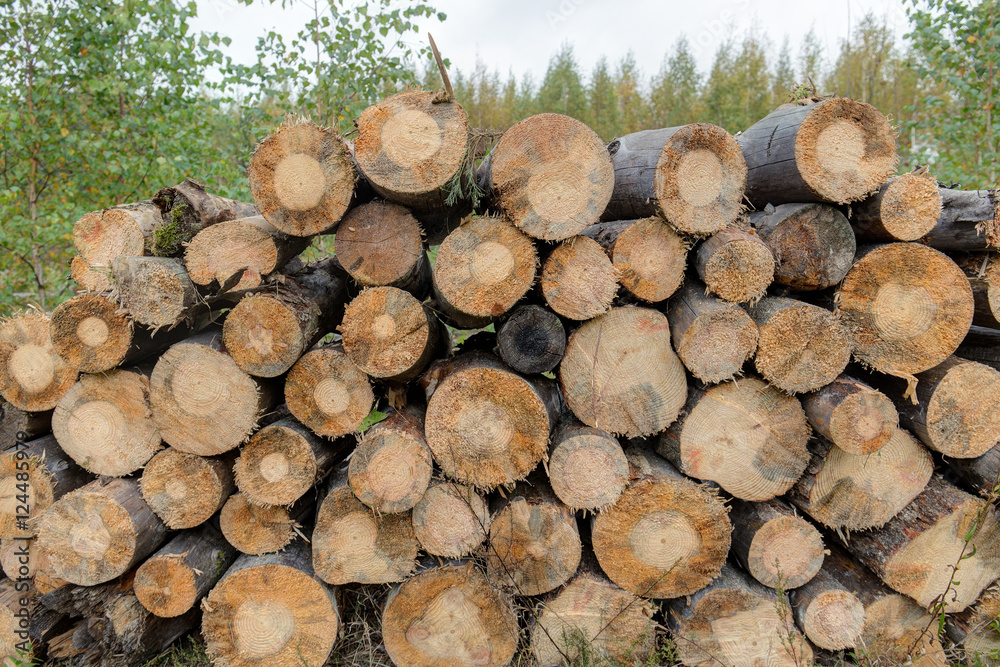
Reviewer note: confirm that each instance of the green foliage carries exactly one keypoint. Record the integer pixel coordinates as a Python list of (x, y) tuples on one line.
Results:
[(603, 112), (562, 89), (374, 417), (675, 98)]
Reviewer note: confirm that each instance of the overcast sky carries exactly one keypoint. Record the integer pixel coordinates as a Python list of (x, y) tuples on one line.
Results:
[(521, 35)]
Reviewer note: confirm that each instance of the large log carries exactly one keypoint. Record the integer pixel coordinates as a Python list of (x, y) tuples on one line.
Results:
[(647, 253), (906, 307), (746, 436), (550, 175), (16, 424), (123, 230), (325, 391), (485, 424), (587, 468), (302, 178), (98, 532), (185, 490), (271, 610), (713, 338), (621, 375), (391, 466), (666, 536), (91, 332), (450, 520), (969, 221), (776, 546), (859, 491), (188, 209), (33, 377), (391, 335), (449, 615), (531, 339), (578, 279), (813, 244), (855, 417), (482, 269), (905, 208), (837, 151), (735, 264), (801, 347), (261, 529), (352, 544)]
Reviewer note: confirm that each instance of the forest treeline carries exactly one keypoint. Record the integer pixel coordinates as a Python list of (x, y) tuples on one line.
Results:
[(102, 102)]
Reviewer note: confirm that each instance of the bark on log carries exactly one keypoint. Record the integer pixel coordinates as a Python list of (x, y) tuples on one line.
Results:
[(391, 466), (587, 468), (578, 279), (981, 345), (735, 265), (156, 291), (692, 175), (905, 208), (746, 436), (271, 610), (482, 269), (985, 283), (15, 647), (188, 209), (969, 221), (666, 536), (801, 347), (352, 544), (531, 339), (906, 308), (33, 377), (860, 491), (451, 615), (302, 178), (124, 230), (621, 375), (775, 545), (975, 629), (713, 338), (450, 520), (325, 391), (827, 612), (837, 151), (97, 533), (486, 425), (91, 332), (16, 423), (181, 573), (391, 335), (550, 175), (855, 417), (261, 529), (813, 244), (132, 636), (647, 253), (185, 490)]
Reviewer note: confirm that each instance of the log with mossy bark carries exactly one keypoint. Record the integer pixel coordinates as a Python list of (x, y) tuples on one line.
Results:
[(531, 339), (647, 253), (969, 222), (776, 546), (735, 265), (327, 392), (187, 209), (578, 280), (904, 208), (587, 468), (855, 417), (185, 490), (33, 377)]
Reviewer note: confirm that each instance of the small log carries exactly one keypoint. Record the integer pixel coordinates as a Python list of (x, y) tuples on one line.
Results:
[(666, 536), (188, 209), (855, 417), (735, 265), (482, 269), (905, 208), (578, 279), (836, 151), (587, 468), (828, 613), (969, 222), (271, 610), (202, 402), (91, 332), (485, 424), (302, 178), (776, 546), (352, 544), (534, 542), (985, 283), (906, 308), (104, 423), (382, 244), (746, 436), (531, 339), (391, 466), (261, 529), (391, 335), (16, 424), (647, 253), (860, 491), (692, 175), (250, 245), (325, 391), (182, 572), (88, 277), (451, 615), (33, 377), (412, 149), (97, 533), (801, 347), (185, 490), (813, 244), (266, 333), (156, 291), (621, 375), (283, 461), (915, 552), (736, 621), (550, 175), (124, 230), (450, 520)]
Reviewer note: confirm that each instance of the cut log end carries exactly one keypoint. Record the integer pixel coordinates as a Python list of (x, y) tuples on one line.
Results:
[(531, 340), (156, 291), (33, 377), (388, 333), (91, 332), (101, 236), (328, 393), (963, 414), (650, 259), (579, 281), (278, 466), (904, 209), (380, 244), (735, 265), (834, 620), (813, 244), (391, 466), (852, 415), (91, 277), (450, 520), (587, 468), (185, 490), (252, 245), (165, 586), (787, 551), (255, 529)]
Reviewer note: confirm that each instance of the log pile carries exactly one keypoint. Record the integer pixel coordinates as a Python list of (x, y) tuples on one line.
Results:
[(609, 383)]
